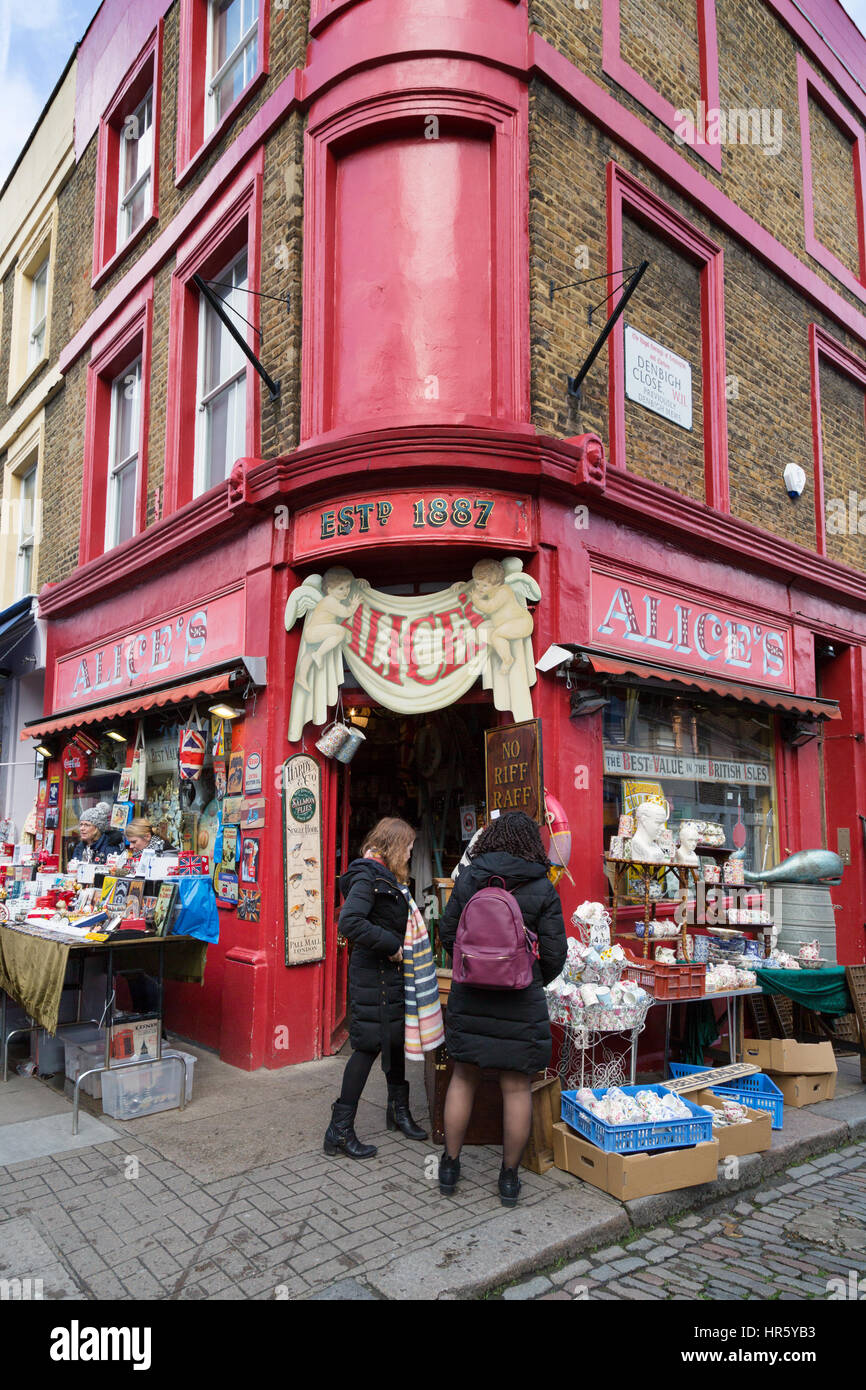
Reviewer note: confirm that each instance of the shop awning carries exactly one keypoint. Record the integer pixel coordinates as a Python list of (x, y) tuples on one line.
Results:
[(15, 622), (134, 704), (610, 664)]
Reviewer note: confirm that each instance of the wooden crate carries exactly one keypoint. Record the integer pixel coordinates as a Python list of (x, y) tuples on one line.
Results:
[(545, 1114)]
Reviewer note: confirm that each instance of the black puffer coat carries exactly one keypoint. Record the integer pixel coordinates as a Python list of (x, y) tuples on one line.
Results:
[(374, 917), (506, 1028)]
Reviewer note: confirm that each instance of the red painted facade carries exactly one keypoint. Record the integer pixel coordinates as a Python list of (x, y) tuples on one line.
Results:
[(416, 378)]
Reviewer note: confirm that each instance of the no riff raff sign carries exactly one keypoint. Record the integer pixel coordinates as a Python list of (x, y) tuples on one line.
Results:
[(680, 629)]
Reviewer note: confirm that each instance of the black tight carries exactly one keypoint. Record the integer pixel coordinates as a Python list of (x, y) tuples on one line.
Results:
[(358, 1069), (516, 1111)]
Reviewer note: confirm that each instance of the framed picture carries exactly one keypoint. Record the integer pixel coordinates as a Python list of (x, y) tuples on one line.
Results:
[(121, 892), (135, 898), (230, 848), (148, 908), (106, 896), (253, 813), (235, 784), (250, 905), (249, 859), (124, 787), (165, 901), (121, 815), (51, 818)]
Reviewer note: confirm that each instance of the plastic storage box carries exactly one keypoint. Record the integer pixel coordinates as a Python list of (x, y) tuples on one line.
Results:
[(758, 1092), (135, 1090), (666, 982), (637, 1138)]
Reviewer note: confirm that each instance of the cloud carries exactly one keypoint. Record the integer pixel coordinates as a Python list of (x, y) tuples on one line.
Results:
[(23, 103)]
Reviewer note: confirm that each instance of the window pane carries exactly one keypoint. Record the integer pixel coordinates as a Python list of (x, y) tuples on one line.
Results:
[(218, 422), (124, 502), (227, 31), (126, 398), (37, 299), (25, 570), (137, 208), (223, 357)]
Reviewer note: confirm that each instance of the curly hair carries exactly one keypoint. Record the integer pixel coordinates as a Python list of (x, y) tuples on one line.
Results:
[(389, 840), (513, 833)]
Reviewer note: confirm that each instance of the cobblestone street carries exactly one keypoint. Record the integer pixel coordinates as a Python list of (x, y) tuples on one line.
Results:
[(791, 1241)]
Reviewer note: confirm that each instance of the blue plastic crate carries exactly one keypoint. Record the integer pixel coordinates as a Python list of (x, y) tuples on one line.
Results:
[(637, 1138), (758, 1091)]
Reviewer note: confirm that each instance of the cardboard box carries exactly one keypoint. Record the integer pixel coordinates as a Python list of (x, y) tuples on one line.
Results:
[(805, 1090), (627, 1176), (785, 1055), (752, 1138)]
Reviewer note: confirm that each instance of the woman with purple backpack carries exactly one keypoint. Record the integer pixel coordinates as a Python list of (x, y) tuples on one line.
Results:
[(506, 1029)]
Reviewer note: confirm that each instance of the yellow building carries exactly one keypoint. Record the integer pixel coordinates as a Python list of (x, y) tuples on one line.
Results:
[(29, 378)]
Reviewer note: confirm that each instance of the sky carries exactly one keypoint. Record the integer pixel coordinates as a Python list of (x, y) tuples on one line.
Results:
[(36, 39)]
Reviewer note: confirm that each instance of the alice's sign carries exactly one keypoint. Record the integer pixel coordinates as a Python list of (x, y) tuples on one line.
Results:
[(405, 516), (512, 766), (681, 630), (302, 860), (418, 653), (181, 643)]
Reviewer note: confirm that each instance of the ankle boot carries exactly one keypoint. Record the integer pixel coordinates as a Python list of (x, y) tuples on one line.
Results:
[(509, 1186), (340, 1136), (398, 1115), (449, 1172)]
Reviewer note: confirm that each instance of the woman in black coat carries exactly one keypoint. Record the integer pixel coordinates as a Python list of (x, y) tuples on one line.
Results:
[(504, 1029), (374, 918)]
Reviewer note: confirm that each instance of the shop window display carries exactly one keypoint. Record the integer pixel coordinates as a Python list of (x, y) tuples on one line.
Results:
[(712, 761)]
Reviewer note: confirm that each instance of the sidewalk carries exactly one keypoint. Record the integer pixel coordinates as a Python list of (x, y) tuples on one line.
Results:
[(234, 1199)]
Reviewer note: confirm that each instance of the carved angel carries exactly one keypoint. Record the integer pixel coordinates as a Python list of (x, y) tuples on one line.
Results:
[(327, 600)]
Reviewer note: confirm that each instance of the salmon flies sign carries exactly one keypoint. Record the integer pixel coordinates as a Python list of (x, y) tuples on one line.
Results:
[(680, 629)]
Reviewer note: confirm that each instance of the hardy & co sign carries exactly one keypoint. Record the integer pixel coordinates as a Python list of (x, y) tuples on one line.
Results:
[(174, 647), (679, 629), (401, 517), (657, 378), (302, 860), (512, 764)]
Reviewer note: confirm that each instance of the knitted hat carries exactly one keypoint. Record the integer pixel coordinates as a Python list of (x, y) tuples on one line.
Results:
[(98, 815)]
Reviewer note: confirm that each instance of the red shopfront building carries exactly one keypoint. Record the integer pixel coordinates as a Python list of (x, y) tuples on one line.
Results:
[(712, 645)]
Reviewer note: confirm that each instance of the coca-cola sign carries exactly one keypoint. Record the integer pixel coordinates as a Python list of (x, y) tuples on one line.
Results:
[(677, 628)]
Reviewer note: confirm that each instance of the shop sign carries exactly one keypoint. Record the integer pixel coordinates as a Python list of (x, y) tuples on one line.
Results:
[(657, 378), (624, 762), (76, 763), (175, 647), (408, 516), (414, 654), (302, 860), (512, 768), (680, 630)]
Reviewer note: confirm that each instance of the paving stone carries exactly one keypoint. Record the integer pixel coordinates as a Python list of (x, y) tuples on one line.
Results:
[(711, 1228), (569, 1271), (688, 1221), (766, 1196), (558, 1294), (346, 1290), (534, 1287), (626, 1266), (801, 1170), (603, 1272), (662, 1252)]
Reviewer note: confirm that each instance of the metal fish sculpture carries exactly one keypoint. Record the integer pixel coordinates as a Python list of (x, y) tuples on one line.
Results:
[(808, 866)]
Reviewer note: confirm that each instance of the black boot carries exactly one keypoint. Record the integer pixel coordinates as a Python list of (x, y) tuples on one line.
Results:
[(398, 1115), (340, 1136), (449, 1172), (509, 1186)]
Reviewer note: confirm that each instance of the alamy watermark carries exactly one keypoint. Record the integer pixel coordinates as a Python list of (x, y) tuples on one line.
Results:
[(739, 125)]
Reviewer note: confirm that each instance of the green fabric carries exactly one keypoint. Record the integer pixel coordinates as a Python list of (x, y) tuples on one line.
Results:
[(825, 991), (701, 1030), (33, 969)]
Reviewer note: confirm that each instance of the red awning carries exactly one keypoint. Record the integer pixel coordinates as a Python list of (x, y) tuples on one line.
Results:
[(614, 664), (135, 704)]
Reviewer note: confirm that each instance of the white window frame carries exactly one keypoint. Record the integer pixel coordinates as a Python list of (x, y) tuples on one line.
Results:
[(37, 329), (203, 398), (118, 466), (213, 79), (26, 531), (124, 200)]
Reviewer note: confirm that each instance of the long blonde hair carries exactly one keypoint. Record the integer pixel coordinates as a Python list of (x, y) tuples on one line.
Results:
[(389, 840)]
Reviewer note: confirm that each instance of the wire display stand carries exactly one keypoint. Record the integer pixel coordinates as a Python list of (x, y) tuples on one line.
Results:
[(590, 1057)]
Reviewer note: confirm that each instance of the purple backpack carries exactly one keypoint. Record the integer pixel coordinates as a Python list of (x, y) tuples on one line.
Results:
[(493, 949)]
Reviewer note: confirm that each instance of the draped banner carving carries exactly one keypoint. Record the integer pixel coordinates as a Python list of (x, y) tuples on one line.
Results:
[(417, 653)]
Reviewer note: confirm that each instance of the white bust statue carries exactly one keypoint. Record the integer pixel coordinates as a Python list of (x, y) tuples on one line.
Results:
[(689, 836), (650, 817)]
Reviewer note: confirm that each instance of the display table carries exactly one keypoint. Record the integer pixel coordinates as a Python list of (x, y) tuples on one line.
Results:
[(731, 998), (33, 970)]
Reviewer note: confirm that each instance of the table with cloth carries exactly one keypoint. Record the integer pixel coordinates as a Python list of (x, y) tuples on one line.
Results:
[(823, 991)]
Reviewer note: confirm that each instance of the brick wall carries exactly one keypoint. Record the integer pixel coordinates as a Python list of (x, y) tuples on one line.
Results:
[(659, 38), (766, 343), (843, 438), (835, 203)]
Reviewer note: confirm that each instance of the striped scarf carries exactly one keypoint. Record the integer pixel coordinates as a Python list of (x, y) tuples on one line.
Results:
[(423, 1013)]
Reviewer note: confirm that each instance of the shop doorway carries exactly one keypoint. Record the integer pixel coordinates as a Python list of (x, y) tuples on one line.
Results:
[(427, 769)]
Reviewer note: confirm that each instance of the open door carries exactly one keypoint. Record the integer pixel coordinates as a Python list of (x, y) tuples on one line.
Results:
[(335, 1024)]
